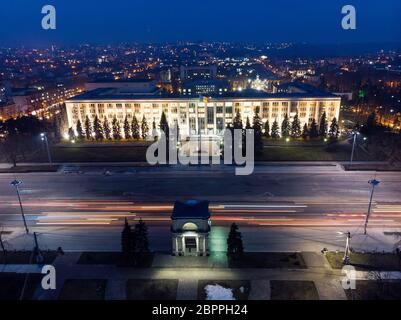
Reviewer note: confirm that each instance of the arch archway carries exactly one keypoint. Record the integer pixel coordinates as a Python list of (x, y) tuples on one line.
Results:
[(190, 226)]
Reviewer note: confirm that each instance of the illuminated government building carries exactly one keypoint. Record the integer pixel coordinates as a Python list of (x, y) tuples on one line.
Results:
[(207, 115)]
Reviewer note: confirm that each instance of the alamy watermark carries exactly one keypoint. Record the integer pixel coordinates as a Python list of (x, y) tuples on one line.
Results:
[(49, 279), (49, 20), (238, 150), (348, 22), (348, 282)]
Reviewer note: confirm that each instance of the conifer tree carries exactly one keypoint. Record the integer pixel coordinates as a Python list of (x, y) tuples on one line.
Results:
[(127, 129), (313, 131), (141, 241), (296, 127), (248, 124), (258, 134), (305, 132), (144, 128), (237, 122), (135, 130), (98, 129), (116, 129), (234, 242), (164, 124), (275, 130), (80, 131), (71, 134), (323, 126), (88, 128), (285, 127), (334, 132), (106, 129)]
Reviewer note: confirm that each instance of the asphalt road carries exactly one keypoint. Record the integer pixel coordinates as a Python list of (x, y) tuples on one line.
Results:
[(84, 201)]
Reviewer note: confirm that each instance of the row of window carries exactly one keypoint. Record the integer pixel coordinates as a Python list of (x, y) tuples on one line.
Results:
[(211, 111), (166, 106)]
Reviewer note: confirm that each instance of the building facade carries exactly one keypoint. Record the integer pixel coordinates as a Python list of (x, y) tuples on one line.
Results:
[(204, 87), (8, 110), (205, 116), (198, 72), (38, 101), (190, 228)]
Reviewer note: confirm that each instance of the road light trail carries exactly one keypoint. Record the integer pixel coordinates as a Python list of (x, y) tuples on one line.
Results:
[(291, 213)]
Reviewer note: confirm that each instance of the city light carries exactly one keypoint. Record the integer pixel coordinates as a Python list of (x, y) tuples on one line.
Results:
[(256, 190)]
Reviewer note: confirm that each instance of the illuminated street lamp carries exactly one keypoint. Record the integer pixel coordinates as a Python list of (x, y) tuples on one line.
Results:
[(16, 183), (355, 133), (44, 138), (346, 259), (374, 183)]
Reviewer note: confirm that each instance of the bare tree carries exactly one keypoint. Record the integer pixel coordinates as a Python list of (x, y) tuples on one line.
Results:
[(10, 149)]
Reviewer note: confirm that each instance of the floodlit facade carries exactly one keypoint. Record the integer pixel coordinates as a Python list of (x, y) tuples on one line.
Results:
[(201, 115), (190, 228)]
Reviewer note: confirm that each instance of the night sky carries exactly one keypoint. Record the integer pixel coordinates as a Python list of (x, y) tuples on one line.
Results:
[(105, 21)]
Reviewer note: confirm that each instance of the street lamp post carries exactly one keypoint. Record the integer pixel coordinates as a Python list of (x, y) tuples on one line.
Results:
[(347, 246), (374, 183), (44, 138), (16, 183), (353, 146)]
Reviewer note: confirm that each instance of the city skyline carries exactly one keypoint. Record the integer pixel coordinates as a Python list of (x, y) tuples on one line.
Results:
[(257, 21)]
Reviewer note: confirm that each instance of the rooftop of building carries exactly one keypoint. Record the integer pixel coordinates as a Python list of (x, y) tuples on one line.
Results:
[(131, 80), (304, 87), (191, 209), (207, 82), (113, 94)]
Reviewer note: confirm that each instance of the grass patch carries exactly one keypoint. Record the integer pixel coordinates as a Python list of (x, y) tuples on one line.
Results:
[(28, 169), (11, 285), (240, 288), (375, 290), (311, 153), (372, 167), (270, 260), (293, 290), (24, 257), (366, 261), (83, 289), (115, 258), (99, 154), (138, 289)]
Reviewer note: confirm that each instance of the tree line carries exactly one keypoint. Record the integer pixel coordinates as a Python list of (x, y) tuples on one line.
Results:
[(383, 143), (134, 242), (287, 129), (104, 130), (19, 138)]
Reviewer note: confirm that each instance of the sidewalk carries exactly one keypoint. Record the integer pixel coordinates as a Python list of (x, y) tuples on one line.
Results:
[(327, 280)]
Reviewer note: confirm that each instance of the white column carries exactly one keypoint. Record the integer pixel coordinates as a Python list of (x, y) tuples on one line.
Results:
[(197, 245), (215, 118), (175, 246)]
